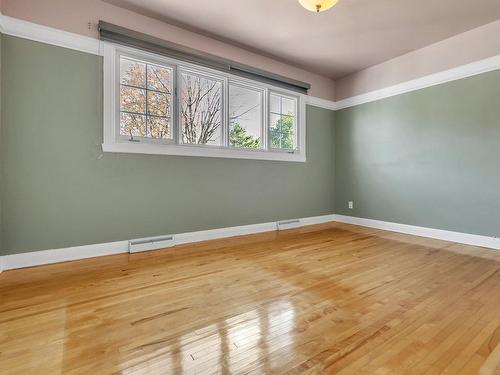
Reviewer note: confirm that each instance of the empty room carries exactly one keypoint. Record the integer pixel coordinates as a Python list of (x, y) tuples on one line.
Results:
[(250, 187)]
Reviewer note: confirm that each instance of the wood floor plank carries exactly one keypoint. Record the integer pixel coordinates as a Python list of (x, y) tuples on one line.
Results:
[(326, 299)]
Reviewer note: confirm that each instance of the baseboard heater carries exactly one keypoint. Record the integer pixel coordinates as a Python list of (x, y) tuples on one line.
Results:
[(289, 224), (153, 243)]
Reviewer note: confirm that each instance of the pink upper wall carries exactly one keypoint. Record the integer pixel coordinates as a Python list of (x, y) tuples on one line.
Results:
[(74, 16), (471, 46)]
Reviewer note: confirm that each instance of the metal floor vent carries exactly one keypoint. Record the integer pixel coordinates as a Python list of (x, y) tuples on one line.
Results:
[(153, 243), (289, 224)]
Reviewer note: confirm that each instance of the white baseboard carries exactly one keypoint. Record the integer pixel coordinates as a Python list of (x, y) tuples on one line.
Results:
[(445, 235), (214, 234), (37, 258)]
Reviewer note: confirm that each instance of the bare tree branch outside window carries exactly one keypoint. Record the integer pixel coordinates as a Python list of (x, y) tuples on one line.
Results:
[(201, 110)]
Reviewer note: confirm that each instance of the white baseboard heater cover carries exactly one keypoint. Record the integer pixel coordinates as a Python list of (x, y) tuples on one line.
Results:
[(153, 243), (289, 224)]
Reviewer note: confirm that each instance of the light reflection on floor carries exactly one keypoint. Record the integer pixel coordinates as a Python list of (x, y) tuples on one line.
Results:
[(242, 341)]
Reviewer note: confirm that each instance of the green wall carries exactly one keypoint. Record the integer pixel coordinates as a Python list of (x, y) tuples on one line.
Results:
[(429, 158), (61, 190)]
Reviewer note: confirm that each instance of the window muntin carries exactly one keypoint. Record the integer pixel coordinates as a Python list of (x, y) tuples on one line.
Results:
[(145, 100), (201, 109), (282, 122), (245, 116)]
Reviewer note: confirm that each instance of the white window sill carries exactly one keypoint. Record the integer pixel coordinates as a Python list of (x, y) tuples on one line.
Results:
[(209, 152)]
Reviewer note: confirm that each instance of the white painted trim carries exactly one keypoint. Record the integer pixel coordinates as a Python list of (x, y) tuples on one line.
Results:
[(317, 219), (216, 152), (28, 30), (464, 71), (49, 35), (454, 74), (37, 258), (321, 103), (445, 235), (213, 234)]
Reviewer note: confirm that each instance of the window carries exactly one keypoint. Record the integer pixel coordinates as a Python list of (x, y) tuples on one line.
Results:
[(158, 105)]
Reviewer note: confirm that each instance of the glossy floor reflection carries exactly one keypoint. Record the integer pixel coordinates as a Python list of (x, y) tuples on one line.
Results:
[(333, 299)]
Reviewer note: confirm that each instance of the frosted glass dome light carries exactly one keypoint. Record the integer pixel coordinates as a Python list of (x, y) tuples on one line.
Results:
[(318, 5)]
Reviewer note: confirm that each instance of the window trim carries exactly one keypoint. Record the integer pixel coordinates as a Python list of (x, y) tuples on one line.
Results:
[(112, 142)]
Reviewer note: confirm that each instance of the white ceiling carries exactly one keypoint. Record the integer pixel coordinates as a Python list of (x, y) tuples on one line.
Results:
[(351, 36)]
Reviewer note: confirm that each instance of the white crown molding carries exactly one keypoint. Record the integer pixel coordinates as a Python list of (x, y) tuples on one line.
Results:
[(29, 30), (439, 234), (463, 71), (37, 258), (321, 103), (39, 33)]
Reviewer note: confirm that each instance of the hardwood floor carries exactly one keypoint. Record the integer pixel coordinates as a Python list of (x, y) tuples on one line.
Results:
[(330, 299)]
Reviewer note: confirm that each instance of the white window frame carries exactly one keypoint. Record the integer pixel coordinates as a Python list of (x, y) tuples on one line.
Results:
[(113, 142)]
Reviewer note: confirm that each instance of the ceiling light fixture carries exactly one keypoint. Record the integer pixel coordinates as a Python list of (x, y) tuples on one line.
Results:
[(318, 5)]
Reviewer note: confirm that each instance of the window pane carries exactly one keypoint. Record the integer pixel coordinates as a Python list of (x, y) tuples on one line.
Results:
[(282, 132), (132, 125), (145, 99), (160, 78), (275, 103), (132, 73), (245, 117), (201, 110), (158, 103), (132, 99), (282, 122), (288, 107), (159, 127)]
